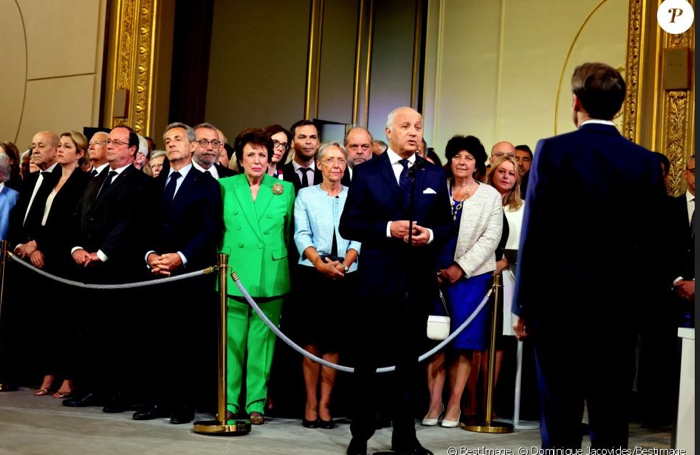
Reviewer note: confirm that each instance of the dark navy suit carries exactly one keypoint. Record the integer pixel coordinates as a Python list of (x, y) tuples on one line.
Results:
[(396, 283), (589, 255), (184, 312)]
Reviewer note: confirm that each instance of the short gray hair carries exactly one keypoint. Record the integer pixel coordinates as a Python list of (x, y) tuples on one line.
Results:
[(208, 126), (392, 114), (5, 168), (188, 130), (158, 154), (325, 146)]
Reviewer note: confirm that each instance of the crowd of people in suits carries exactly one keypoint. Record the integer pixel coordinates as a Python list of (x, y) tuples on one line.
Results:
[(345, 245)]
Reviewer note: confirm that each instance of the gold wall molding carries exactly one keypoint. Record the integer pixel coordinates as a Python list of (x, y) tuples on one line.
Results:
[(131, 57), (313, 65), (677, 136), (636, 27)]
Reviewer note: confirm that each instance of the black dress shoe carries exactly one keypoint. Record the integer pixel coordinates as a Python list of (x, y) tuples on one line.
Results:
[(326, 424), (114, 405), (82, 401), (357, 447), (184, 415), (150, 413), (417, 450), (310, 423)]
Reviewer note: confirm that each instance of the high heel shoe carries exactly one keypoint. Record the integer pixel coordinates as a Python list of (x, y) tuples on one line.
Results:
[(309, 423), (451, 423), (431, 422), (41, 392)]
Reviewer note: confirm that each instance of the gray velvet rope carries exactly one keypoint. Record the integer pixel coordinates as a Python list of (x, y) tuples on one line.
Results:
[(136, 284), (261, 314)]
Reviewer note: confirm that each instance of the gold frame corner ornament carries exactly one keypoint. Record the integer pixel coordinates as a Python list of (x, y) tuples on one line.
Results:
[(131, 60)]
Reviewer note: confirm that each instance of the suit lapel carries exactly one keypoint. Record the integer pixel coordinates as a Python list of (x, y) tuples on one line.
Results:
[(264, 196), (245, 200), (388, 173)]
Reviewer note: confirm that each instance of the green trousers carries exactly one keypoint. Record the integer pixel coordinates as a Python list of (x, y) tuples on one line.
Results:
[(251, 345)]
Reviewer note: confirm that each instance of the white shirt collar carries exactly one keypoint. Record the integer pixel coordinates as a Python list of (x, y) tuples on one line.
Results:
[(100, 167), (298, 166), (2, 186), (183, 172), (119, 170), (599, 122), (50, 168), (394, 157), (689, 196)]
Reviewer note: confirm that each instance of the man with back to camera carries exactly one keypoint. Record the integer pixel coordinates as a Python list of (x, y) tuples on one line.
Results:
[(396, 280), (586, 263)]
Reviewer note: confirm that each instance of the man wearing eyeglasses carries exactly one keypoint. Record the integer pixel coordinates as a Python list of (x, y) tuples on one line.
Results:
[(113, 214), (358, 143), (208, 151)]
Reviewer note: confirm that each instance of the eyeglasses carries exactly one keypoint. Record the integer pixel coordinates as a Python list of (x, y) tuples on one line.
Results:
[(98, 143), (205, 143), (276, 144), (117, 142)]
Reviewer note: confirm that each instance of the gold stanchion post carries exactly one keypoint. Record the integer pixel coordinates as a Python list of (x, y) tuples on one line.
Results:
[(222, 426), (489, 426)]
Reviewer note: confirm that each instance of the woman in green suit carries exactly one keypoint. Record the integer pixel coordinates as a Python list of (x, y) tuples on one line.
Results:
[(258, 220)]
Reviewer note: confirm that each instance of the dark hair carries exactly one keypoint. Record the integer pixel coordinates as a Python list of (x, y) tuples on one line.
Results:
[(472, 145), (274, 129), (600, 88), (254, 136), (296, 125), (524, 148), (133, 137), (664, 162), (229, 150), (430, 153)]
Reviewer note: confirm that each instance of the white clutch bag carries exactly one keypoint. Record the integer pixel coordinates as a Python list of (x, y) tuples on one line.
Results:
[(438, 327)]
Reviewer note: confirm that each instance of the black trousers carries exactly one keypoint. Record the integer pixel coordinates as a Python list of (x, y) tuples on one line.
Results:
[(597, 371), (393, 333)]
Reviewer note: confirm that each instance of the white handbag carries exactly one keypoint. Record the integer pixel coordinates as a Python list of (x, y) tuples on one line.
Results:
[(438, 327)]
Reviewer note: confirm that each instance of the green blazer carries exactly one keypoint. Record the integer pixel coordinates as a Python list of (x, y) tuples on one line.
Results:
[(256, 234)]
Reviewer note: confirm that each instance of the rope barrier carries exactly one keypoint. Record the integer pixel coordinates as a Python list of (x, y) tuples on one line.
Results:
[(136, 284), (261, 314)]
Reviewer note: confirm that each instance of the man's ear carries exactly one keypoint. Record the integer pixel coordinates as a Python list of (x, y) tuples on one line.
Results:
[(576, 104)]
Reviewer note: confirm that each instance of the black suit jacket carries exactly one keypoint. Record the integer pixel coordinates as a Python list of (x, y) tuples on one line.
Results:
[(224, 171), (192, 222), (683, 239), (21, 231), (589, 250), (55, 236), (388, 267), (289, 175), (117, 221)]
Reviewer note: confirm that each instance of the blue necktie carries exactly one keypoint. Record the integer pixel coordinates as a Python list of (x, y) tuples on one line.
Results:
[(170, 187), (404, 181)]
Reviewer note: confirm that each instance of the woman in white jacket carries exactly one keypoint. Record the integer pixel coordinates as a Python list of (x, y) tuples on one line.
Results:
[(467, 264)]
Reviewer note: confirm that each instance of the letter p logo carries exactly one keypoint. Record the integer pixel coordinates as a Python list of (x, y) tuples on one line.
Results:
[(675, 16)]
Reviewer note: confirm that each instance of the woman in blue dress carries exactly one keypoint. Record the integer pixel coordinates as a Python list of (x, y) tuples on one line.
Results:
[(466, 266)]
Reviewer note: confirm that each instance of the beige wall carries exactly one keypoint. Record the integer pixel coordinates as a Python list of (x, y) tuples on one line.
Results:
[(52, 68), (493, 68)]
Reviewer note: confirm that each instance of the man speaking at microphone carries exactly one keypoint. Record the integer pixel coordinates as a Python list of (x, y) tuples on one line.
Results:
[(396, 273)]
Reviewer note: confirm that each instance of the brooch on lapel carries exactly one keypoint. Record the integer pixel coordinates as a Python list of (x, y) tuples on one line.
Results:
[(277, 189)]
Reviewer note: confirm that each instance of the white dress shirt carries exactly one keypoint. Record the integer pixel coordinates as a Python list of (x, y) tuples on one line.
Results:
[(99, 168), (37, 185), (690, 200), (599, 122), (178, 183), (212, 169), (397, 167)]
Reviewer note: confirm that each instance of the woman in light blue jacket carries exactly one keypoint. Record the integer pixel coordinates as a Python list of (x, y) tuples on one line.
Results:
[(326, 267), (8, 196)]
